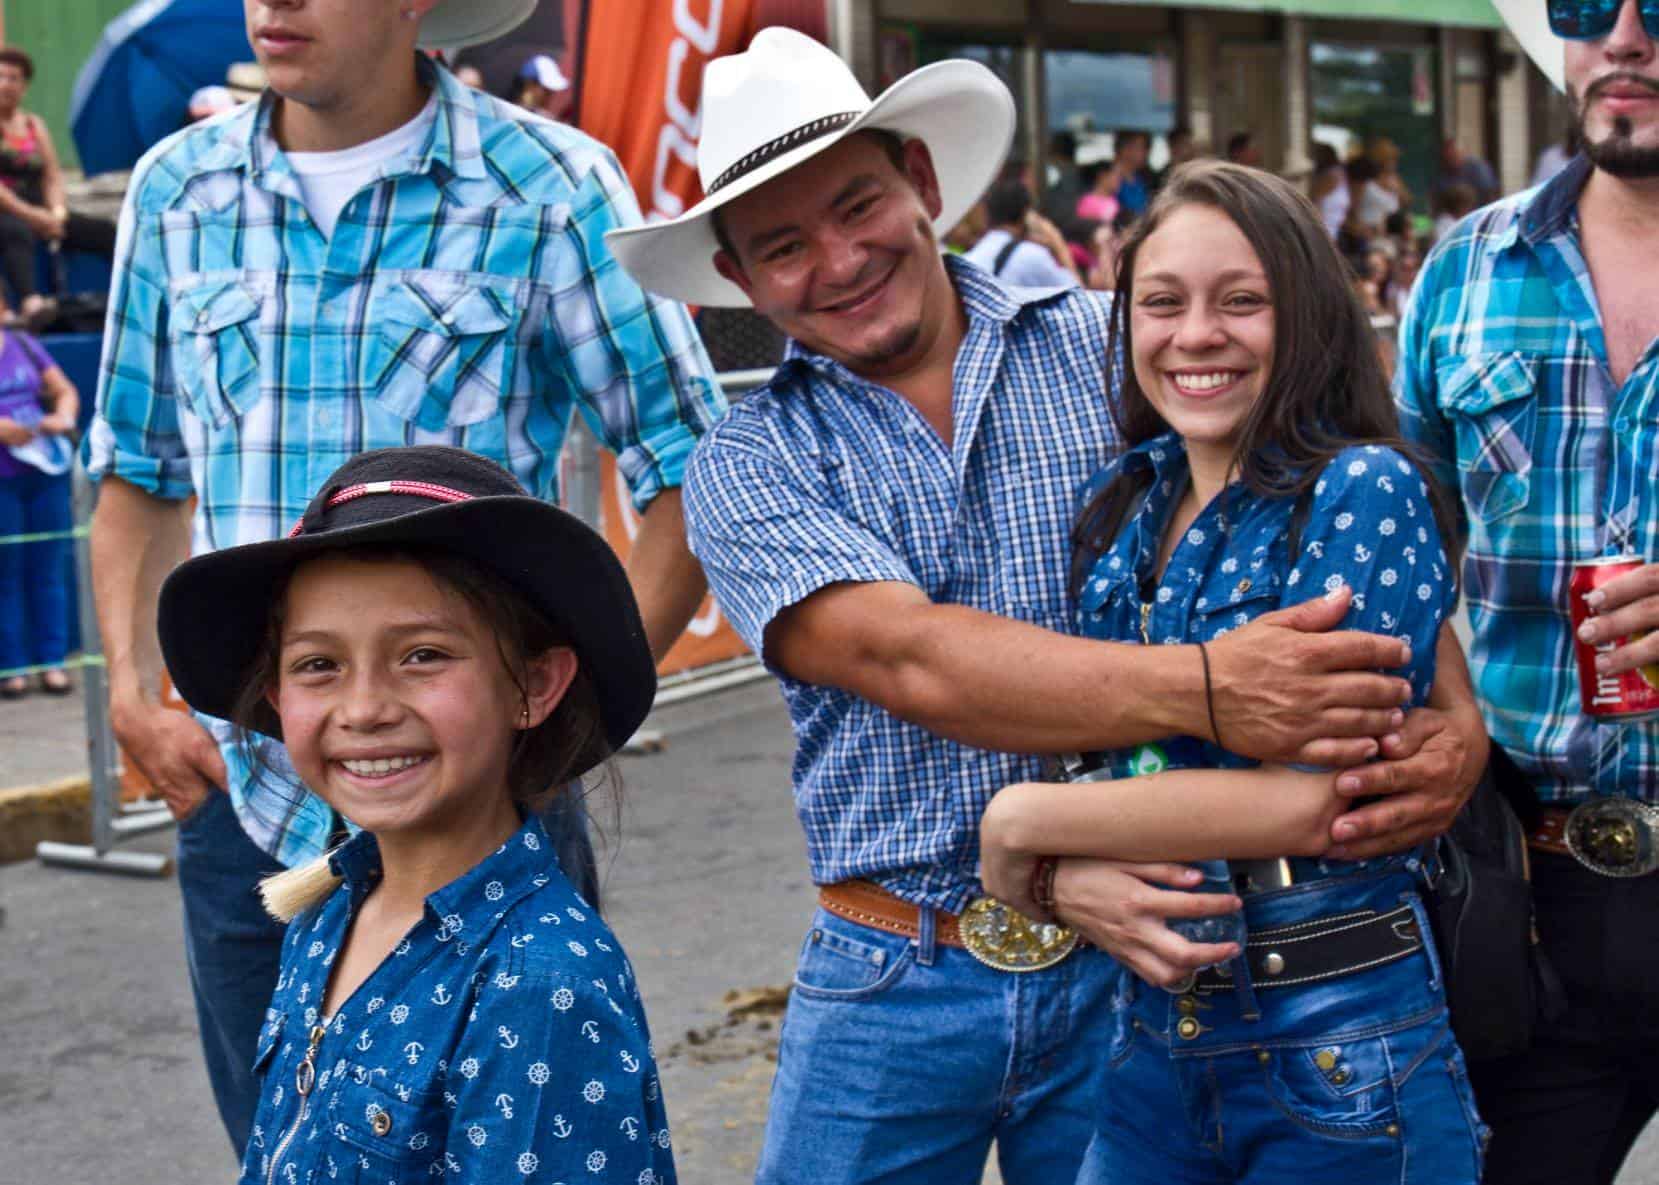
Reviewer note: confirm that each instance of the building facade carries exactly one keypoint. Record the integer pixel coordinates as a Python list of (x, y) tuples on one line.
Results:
[(1290, 72)]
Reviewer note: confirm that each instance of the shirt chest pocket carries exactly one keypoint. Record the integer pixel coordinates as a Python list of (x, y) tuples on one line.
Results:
[(1490, 402), (441, 350), (215, 344), (1232, 599), (387, 1133), (1109, 603)]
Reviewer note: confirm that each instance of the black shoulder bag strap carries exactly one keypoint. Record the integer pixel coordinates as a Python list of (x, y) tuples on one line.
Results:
[(1001, 260), (1100, 521)]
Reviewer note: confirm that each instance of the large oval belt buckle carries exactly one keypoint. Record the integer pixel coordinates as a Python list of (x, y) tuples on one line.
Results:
[(1613, 836), (1001, 937)]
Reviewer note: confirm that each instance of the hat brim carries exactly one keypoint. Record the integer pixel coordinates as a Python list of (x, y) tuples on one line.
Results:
[(456, 24), (215, 609), (959, 109)]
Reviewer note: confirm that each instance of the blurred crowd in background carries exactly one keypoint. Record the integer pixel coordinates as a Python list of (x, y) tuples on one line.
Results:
[(1092, 194)]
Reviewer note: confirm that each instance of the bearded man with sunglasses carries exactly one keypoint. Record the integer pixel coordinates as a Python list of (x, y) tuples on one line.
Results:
[(1530, 370)]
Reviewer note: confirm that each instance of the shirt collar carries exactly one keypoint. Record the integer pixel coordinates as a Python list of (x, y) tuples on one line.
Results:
[(1163, 454), (1550, 211), (519, 866), (985, 301), (453, 146)]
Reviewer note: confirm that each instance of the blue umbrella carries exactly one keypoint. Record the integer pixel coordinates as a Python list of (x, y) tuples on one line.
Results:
[(135, 88)]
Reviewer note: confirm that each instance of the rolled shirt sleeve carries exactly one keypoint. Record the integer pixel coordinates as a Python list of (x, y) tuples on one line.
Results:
[(633, 361), (135, 425), (768, 540)]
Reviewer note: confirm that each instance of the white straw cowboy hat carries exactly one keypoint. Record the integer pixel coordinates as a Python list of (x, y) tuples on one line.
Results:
[(456, 24), (786, 100), (1529, 22)]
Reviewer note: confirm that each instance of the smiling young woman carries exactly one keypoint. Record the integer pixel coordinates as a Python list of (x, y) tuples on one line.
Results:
[(1263, 469)]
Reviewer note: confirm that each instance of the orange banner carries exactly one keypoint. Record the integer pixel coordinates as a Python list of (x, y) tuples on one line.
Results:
[(709, 637), (641, 87), (640, 93)]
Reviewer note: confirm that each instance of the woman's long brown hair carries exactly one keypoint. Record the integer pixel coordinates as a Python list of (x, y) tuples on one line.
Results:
[(1327, 390)]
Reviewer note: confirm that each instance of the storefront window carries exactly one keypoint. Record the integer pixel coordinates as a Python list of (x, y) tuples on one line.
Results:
[(1365, 93), (1094, 94)]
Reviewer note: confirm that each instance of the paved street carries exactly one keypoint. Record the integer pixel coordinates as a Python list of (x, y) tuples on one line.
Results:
[(101, 1079), (707, 889)]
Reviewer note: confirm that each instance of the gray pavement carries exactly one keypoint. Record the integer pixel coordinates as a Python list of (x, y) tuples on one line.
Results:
[(42, 739), (100, 1079)]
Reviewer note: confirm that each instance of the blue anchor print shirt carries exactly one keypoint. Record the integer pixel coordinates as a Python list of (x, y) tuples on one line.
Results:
[(1369, 526), (502, 1041)]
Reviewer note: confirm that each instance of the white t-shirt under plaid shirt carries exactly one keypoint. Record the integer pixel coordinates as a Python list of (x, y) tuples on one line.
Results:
[(465, 298), (821, 478)]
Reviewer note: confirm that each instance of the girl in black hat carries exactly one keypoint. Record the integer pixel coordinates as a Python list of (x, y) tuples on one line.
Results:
[(440, 654)]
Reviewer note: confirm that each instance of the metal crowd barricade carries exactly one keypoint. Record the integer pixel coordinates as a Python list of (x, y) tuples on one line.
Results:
[(112, 821)]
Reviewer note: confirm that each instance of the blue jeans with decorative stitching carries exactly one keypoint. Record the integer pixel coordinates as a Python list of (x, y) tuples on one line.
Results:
[(1356, 1079)]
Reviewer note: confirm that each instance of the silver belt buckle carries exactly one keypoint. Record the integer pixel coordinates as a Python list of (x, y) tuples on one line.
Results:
[(1261, 876), (1614, 836), (1000, 936)]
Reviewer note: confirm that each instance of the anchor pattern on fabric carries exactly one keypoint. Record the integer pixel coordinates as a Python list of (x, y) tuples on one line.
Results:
[(507, 1057)]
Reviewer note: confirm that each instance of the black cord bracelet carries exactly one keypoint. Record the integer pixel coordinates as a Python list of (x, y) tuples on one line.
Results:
[(1209, 694)]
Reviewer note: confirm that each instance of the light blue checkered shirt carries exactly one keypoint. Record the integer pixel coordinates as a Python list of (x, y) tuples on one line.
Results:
[(465, 298), (1503, 378), (821, 477)]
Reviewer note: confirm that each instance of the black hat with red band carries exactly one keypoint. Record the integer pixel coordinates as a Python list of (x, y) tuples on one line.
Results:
[(216, 609)]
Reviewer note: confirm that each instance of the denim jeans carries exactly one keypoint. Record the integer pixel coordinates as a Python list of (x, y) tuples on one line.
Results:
[(901, 1060), (234, 948), (234, 952), (1355, 1079), (34, 577)]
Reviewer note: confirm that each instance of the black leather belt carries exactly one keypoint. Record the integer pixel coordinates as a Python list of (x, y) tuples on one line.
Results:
[(1321, 949)]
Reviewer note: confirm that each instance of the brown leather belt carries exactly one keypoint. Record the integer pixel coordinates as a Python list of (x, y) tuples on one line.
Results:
[(869, 904), (1551, 833)]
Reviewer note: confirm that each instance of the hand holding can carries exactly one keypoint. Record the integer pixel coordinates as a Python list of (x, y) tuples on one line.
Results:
[(1624, 698)]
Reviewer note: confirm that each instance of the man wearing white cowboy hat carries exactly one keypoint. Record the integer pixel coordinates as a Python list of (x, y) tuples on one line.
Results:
[(373, 255), (887, 523), (1530, 374)]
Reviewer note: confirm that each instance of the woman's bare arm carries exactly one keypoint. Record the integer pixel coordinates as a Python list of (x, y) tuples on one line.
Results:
[(59, 394), (1178, 815), (1199, 814), (51, 179)]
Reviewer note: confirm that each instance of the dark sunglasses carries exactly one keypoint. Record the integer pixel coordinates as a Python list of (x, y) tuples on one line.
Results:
[(1589, 20)]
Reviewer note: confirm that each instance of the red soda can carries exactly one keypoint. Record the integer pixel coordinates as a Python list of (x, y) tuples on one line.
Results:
[(1626, 698)]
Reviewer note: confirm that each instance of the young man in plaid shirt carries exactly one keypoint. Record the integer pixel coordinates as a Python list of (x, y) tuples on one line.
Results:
[(1529, 370), (373, 255)]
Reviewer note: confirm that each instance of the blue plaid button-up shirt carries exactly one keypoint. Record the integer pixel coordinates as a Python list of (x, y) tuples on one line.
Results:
[(465, 298), (1504, 380), (822, 477)]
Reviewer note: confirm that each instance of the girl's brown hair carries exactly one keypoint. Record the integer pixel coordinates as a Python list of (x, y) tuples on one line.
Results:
[(1327, 390), (545, 759)]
